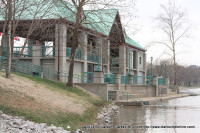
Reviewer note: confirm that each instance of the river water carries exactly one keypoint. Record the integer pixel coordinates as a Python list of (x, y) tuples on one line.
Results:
[(181, 115)]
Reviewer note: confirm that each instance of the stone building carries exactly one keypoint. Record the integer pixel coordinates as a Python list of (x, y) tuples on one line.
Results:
[(103, 45), (102, 39)]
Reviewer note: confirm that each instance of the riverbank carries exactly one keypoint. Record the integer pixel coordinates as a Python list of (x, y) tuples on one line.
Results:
[(164, 98), (43, 101), (150, 100)]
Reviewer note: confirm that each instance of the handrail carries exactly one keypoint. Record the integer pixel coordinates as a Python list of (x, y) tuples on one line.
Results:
[(134, 98)]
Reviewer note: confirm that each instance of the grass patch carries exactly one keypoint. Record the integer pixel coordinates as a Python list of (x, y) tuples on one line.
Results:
[(40, 115), (56, 85), (59, 119)]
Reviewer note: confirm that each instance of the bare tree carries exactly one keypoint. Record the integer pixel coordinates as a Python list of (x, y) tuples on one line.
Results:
[(80, 18), (13, 12), (172, 23)]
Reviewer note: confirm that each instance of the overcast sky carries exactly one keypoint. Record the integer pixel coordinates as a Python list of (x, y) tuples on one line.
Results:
[(149, 9)]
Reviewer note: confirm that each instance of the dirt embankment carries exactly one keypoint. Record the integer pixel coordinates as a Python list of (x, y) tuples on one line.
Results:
[(20, 92)]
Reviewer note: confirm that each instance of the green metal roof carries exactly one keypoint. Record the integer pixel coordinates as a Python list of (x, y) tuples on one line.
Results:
[(43, 9), (100, 20), (133, 43), (97, 20)]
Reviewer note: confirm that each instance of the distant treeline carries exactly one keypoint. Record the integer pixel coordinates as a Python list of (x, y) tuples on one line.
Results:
[(186, 75)]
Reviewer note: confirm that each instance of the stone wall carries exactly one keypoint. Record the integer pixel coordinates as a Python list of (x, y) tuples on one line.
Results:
[(96, 88), (142, 90)]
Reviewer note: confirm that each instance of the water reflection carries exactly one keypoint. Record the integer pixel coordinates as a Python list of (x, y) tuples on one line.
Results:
[(178, 112)]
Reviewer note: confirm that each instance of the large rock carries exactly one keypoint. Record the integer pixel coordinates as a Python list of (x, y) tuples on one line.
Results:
[(10, 124)]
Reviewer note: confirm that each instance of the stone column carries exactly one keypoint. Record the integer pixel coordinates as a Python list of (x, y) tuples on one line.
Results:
[(155, 83), (5, 40), (137, 62), (83, 44), (60, 49), (118, 81), (131, 79), (122, 59), (98, 42), (36, 55), (106, 54), (144, 62), (4, 44), (98, 77), (167, 85)]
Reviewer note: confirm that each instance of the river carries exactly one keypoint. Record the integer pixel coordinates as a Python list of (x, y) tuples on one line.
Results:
[(181, 115)]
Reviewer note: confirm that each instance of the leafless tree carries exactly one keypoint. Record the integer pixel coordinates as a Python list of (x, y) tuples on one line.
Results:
[(79, 20), (13, 11), (172, 22)]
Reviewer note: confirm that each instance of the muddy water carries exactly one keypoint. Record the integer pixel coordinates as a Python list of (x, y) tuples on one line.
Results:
[(184, 113)]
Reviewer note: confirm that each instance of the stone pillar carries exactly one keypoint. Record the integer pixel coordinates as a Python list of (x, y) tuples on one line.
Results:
[(106, 54), (4, 44), (83, 44), (5, 40), (36, 55), (98, 42), (155, 83), (167, 85), (60, 49), (131, 79), (118, 81), (122, 59), (127, 57), (144, 62), (137, 62), (98, 77)]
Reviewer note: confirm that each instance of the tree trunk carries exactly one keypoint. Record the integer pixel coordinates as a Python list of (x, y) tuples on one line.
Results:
[(74, 44), (71, 66), (8, 65), (174, 56)]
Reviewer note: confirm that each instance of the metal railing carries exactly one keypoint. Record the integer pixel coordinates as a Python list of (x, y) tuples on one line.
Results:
[(134, 98), (31, 69), (77, 53), (48, 51), (161, 81), (109, 78), (16, 51), (93, 57), (87, 77), (124, 79), (142, 80)]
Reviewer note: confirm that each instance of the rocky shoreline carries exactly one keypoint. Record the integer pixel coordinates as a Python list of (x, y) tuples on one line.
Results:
[(10, 124), (107, 111), (18, 124)]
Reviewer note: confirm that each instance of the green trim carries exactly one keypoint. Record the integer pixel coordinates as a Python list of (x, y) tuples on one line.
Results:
[(109, 78)]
